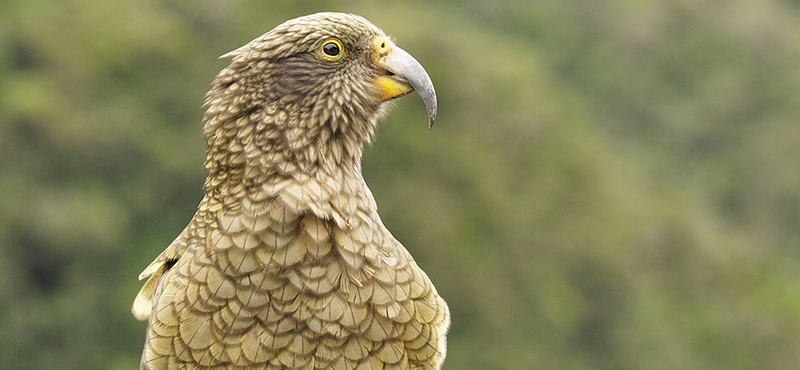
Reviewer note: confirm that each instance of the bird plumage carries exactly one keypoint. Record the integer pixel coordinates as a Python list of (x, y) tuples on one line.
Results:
[(286, 263)]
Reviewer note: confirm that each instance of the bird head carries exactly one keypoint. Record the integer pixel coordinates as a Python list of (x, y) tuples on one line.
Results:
[(311, 87)]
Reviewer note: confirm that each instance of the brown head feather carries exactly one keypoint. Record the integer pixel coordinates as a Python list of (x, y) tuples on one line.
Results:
[(279, 101)]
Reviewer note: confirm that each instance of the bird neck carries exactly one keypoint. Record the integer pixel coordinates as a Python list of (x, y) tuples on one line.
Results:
[(248, 154)]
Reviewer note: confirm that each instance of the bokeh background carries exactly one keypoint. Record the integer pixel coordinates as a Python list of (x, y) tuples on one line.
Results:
[(610, 184)]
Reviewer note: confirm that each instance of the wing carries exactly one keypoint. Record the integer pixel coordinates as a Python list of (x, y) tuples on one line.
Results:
[(192, 234), (143, 303)]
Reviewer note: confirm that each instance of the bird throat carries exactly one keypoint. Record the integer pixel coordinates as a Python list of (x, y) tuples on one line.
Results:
[(309, 161)]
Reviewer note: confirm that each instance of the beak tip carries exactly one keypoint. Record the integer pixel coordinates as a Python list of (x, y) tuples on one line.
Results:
[(432, 107)]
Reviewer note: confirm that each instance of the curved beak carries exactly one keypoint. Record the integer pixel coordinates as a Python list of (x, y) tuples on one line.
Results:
[(404, 74)]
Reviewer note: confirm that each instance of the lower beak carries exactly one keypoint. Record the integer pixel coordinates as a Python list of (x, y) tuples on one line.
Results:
[(405, 74)]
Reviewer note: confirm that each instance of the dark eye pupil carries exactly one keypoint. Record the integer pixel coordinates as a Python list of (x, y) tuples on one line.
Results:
[(331, 49)]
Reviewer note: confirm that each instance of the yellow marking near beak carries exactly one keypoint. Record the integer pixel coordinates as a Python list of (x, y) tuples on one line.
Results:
[(390, 87), (381, 46)]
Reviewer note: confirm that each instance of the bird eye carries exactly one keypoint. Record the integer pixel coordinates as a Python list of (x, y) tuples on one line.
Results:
[(332, 49)]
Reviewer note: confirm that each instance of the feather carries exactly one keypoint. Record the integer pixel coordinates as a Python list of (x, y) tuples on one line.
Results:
[(286, 263)]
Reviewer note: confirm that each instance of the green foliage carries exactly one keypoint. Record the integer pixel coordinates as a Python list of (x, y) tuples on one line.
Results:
[(609, 184)]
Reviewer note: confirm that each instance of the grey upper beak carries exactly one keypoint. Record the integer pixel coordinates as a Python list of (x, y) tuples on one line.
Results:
[(402, 64)]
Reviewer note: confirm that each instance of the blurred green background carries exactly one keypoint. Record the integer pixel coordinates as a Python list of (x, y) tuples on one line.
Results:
[(610, 184)]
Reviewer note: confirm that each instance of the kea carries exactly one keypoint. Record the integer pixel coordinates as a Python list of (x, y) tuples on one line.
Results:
[(286, 264)]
